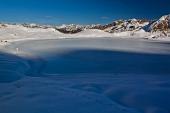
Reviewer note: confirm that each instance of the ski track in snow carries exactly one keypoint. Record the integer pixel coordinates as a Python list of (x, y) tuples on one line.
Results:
[(85, 76)]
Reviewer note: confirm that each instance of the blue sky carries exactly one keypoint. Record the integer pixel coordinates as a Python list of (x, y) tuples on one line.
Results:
[(80, 11)]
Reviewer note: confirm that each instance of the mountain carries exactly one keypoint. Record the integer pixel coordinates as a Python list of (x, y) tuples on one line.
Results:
[(131, 27), (127, 25), (114, 27), (156, 28), (160, 27), (163, 24)]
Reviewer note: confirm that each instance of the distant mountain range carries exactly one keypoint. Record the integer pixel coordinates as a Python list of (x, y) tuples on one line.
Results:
[(160, 27)]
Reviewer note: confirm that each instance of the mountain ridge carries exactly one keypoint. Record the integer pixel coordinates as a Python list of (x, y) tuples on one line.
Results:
[(160, 27)]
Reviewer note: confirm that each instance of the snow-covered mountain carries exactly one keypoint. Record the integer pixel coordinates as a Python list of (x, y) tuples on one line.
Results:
[(120, 28), (163, 24), (127, 25), (114, 27), (156, 28)]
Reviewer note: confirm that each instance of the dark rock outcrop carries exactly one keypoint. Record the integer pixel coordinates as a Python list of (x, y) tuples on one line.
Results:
[(70, 29)]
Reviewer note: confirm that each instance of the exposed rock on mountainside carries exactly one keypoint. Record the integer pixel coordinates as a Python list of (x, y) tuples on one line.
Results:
[(114, 27), (163, 24), (160, 27), (100, 27), (127, 25), (71, 29)]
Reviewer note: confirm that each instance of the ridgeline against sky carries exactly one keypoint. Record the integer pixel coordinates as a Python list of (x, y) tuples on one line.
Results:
[(80, 11)]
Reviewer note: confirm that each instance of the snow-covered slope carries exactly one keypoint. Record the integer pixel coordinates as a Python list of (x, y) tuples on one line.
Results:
[(103, 75), (19, 32), (92, 33)]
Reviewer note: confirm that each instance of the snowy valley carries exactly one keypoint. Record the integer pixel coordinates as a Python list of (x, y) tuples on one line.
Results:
[(122, 67)]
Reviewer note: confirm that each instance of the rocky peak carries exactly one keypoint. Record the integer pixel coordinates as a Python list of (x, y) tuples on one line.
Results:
[(163, 24), (127, 25)]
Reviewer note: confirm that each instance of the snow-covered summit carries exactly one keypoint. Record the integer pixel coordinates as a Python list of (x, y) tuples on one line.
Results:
[(160, 27), (166, 17), (163, 24), (127, 25)]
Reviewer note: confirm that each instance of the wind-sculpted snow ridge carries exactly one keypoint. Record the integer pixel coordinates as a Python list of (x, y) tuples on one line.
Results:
[(140, 28)]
